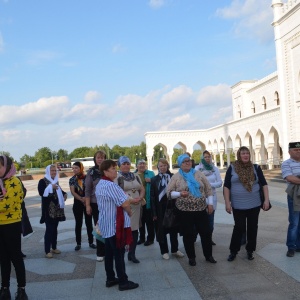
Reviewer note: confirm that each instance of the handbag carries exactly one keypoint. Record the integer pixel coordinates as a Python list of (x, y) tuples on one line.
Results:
[(170, 218)]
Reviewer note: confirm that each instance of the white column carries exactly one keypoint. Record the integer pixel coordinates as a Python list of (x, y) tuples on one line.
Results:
[(221, 159), (149, 160), (228, 153)]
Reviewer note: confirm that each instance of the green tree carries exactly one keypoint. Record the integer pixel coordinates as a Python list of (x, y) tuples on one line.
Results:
[(196, 156), (62, 155), (81, 152), (43, 156), (117, 151)]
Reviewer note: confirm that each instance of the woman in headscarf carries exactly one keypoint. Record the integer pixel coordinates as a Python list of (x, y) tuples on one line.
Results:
[(77, 188), (159, 203), (190, 188), (53, 203), (11, 197), (132, 185), (213, 176), (241, 194), (92, 178)]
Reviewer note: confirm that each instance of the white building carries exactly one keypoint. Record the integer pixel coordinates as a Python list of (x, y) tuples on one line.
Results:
[(266, 112)]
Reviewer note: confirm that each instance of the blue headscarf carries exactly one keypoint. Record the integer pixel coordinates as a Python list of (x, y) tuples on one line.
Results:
[(123, 159), (193, 184)]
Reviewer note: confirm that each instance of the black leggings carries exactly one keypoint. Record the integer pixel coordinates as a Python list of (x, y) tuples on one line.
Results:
[(79, 210), (10, 252)]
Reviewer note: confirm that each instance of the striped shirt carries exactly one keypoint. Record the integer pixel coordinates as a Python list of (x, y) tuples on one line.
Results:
[(290, 167), (109, 196)]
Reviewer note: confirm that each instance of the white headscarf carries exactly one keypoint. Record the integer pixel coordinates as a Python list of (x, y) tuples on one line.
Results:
[(49, 188)]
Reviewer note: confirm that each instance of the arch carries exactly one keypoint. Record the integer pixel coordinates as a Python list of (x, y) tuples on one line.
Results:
[(253, 107), (229, 143), (274, 149), (209, 146), (248, 143), (237, 142), (276, 98), (264, 103), (261, 154)]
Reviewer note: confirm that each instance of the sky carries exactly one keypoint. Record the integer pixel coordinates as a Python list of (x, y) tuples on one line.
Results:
[(89, 72)]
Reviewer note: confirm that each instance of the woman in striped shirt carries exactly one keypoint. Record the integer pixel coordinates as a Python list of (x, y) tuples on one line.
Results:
[(242, 197)]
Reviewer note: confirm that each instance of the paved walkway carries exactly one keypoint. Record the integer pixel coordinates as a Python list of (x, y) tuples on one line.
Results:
[(77, 275)]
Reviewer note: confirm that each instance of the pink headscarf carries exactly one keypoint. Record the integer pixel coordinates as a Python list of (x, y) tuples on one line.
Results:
[(8, 174)]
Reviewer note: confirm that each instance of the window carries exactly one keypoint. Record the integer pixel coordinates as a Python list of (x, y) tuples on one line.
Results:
[(253, 107), (264, 103)]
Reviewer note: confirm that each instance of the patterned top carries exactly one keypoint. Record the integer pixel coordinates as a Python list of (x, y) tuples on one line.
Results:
[(73, 181), (190, 203), (10, 206), (109, 196)]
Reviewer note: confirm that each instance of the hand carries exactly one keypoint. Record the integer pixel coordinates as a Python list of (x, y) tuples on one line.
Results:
[(136, 201), (266, 205), (148, 180), (184, 194), (55, 186), (65, 196), (228, 208), (88, 210), (210, 209)]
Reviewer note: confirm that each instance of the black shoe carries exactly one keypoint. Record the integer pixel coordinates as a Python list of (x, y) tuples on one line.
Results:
[(5, 294), (192, 262), (93, 246), (128, 286), (77, 248), (140, 242), (21, 294), (213, 243), (231, 257), (250, 255), (148, 243), (110, 283), (131, 257), (23, 255), (290, 253), (211, 260)]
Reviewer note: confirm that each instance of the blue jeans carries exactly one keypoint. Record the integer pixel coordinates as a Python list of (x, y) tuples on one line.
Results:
[(50, 238), (293, 234)]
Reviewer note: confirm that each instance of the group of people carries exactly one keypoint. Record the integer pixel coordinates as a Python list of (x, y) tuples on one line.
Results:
[(121, 204)]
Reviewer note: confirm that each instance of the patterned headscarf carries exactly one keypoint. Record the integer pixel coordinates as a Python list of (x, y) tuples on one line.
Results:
[(122, 160), (81, 175), (8, 173), (245, 171)]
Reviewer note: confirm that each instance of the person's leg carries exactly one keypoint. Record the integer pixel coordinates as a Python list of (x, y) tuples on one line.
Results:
[(48, 235), (5, 262), (202, 225), (109, 260), (142, 229), (238, 230), (293, 229), (150, 226), (89, 226), (252, 225), (173, 240), (54, 234), (100, 245), (131, 253), (163, 245), (187, 224), (78, 215)]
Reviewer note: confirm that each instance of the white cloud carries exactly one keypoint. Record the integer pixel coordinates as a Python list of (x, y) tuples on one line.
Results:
[(92, 96), (86, 111), (214, 95), (253, 20), (157, 3), (177, 96)]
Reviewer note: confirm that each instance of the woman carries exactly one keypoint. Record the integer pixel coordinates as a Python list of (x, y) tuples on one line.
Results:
[(53, 203), (114, 225), (92, 178), (11, 197), (159, 202), (213, 176), (132, 185), (241, 194), (77, 188), (190, 188)]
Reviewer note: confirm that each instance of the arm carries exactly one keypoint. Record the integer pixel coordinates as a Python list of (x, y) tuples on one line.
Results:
[(126, 207), (226, 194), (208, 193), (218, 183), (292, 179), (88, 193)]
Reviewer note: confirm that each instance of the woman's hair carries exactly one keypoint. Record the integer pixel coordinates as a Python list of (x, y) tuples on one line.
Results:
[(163, 161), (9, 163), (206, 152), (106, 164), (242, 148), (102, 153)]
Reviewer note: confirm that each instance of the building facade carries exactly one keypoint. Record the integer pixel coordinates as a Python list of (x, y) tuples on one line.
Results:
[(266, 112)]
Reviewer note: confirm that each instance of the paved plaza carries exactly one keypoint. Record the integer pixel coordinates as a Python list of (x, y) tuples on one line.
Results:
[(77, 275)]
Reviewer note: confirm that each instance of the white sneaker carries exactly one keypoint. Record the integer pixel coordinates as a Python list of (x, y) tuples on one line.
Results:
[(178, 254), (166, 256), (100, 258)]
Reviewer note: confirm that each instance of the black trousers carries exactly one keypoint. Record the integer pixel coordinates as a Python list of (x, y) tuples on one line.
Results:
[(95, 215), (244, 220), (147, 220), (191, 221), (78, 211), (163, 245), (132, 247), (10, 252)]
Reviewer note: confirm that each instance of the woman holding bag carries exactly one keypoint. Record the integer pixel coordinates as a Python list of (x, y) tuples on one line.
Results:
[(159, 203)]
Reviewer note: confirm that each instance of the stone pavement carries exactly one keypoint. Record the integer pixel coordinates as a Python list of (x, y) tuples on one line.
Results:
[(77, 275)]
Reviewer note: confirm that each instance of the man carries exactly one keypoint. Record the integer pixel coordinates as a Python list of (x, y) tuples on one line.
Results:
[(291, 173), (147, 218)]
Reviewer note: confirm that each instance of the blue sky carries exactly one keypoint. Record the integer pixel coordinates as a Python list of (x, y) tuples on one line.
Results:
[(89, 72)]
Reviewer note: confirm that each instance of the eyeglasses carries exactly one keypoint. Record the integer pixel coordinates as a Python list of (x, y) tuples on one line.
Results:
[(186, 161)]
